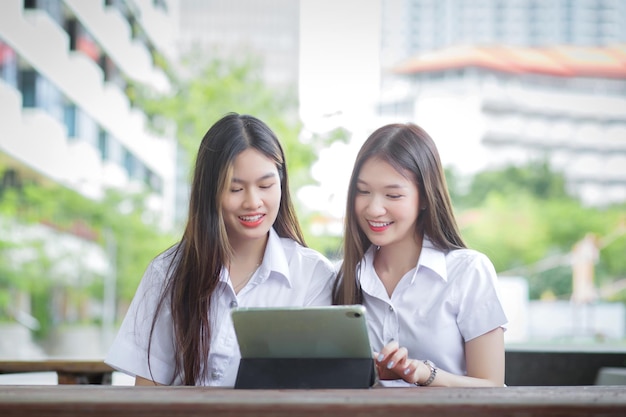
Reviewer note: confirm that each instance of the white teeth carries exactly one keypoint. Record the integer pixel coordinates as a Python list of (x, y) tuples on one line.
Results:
[(379, 224), (251, 218)]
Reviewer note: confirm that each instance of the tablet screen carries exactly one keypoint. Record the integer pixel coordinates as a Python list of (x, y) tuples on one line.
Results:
[(302, 332)]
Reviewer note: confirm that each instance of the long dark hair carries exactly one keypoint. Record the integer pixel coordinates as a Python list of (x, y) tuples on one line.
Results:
[(197, 260), (406, 147)]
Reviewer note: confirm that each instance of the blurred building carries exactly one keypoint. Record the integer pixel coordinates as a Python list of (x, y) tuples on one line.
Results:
[(267, 29), (502, 82), (65, 116), (64, 69), (411, 27), (491, 106)]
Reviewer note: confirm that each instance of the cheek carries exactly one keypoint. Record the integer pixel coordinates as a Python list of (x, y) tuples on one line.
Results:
[(359, 204), (274, 197), (229, 202)]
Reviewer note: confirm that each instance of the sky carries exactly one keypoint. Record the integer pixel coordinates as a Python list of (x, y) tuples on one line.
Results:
[(339, 66), (339, 79)]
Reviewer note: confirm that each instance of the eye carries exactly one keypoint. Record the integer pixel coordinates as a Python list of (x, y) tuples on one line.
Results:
[(364, 192), (394, 196), (266, 186), (236, 190)]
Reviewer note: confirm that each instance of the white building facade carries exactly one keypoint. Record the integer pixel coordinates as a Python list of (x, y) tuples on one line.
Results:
[(64, 68), (411, 27), (492, 106), (66, 118)]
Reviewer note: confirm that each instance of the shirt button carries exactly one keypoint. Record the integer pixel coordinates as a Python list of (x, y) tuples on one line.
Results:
[(233, 304), (390, 308)]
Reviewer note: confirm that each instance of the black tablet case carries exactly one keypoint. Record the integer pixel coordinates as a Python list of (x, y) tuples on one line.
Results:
[(305, 373)]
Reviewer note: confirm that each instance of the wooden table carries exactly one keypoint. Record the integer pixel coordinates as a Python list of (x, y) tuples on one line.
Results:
[(93, 400), (68, 371)]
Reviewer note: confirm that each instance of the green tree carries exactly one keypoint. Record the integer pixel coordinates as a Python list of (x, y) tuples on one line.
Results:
[(525, 221), (536, 178), (136, 235), (203, 90)]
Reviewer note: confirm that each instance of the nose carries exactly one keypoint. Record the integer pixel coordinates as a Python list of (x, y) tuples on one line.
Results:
[(252, 200), (375, 207)]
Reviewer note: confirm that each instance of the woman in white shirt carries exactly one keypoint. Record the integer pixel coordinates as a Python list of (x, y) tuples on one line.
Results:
[(242, 246), (434, 315)]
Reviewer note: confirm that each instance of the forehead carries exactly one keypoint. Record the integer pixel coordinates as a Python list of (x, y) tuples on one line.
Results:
[(378, 171), (252, 164)]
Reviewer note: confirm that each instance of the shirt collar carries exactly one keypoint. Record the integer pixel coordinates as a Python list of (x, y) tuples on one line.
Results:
[(274, 262), (431, 258)]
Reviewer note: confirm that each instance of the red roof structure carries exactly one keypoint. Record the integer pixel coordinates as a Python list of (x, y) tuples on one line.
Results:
[(558, 61)]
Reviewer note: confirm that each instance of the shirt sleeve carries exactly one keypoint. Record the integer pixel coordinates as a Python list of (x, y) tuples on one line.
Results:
[(480, 307), (322, 275), (129, 351)]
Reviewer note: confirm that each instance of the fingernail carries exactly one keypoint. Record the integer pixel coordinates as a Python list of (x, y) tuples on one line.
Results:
[(390, 365), (406, 371), (381, 357)]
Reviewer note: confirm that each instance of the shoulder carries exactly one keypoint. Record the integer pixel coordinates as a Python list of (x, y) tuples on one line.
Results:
[(159, 267), (467, 255), (301, 254), (469, 261)]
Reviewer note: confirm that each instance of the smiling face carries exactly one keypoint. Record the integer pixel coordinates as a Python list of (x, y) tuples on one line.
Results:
[(250, 202), (386, 203)]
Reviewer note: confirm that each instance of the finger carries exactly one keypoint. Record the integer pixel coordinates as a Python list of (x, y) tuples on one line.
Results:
[(390, 348), (397, 359), (409, 374)]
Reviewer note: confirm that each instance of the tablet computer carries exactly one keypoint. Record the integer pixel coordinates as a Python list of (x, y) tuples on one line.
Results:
[(302, 332)]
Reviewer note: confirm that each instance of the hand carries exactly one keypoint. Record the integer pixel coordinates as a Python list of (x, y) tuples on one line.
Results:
[(392, 362)]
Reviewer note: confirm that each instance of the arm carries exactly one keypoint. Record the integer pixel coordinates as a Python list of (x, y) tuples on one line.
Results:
[(484, 356), (139, 381)]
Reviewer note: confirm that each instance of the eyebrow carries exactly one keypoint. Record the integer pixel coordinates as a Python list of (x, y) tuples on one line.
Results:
[(389, 186), (262, 178)]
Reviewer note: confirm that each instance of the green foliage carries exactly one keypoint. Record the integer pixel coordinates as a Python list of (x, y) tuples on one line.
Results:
[(203, 90), (524, 220), (536, 179), (136, 238)]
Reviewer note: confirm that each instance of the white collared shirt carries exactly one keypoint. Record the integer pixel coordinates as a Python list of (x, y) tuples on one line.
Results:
[(290, 275), (445, 301)]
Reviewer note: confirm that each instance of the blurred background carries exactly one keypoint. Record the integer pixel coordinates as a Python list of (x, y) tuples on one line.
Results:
[(104, 102)]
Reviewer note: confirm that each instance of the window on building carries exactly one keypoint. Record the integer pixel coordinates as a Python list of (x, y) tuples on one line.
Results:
[(153, 181), (69, 117), (8, 65), (86, 128), (129, 163), (103, 144), (27, 81)]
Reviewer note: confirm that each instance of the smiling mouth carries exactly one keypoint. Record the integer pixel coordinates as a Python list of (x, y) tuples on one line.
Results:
[(378, 225), (251, 219)]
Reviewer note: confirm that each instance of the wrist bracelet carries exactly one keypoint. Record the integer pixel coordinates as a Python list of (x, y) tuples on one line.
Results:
[(433, 374)]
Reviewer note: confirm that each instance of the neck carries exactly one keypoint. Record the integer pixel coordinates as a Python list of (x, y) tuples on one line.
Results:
[(247, 257), (397, 259), (248, 250)]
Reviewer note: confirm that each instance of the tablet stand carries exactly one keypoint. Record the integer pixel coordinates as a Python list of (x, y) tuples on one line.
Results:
[(305, 373)]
